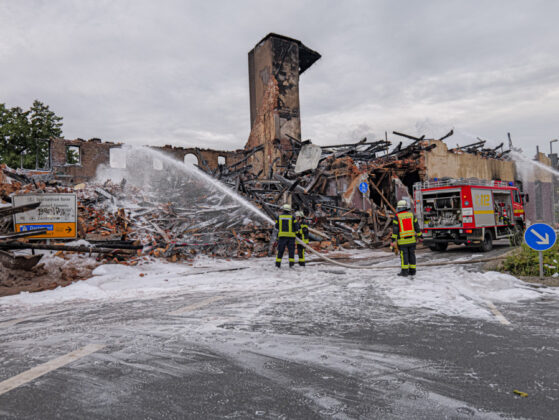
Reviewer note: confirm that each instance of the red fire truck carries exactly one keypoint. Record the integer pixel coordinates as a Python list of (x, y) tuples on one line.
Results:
[(469, 211)]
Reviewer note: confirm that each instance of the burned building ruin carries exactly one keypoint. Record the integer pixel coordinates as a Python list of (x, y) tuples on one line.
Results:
[(265, 170), (274, 67)]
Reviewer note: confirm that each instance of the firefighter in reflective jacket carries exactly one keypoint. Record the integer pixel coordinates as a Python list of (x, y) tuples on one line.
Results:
[(303, 235), (287, 228), (405, 232)]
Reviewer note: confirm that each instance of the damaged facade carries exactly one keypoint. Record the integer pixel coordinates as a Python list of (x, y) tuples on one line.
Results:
[(266, 171), (274, 67), (78, 160)]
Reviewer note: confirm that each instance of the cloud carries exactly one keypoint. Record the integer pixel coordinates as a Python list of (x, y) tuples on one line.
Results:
[(176, 72)]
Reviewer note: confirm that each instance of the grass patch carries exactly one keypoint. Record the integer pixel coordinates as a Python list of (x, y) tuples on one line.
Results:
[(525, 262)]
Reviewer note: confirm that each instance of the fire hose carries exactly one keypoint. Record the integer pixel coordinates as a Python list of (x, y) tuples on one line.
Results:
[(376, 266)]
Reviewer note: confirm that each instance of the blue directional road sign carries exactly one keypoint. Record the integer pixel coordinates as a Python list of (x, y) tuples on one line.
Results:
[(540, 237), (363, 187)]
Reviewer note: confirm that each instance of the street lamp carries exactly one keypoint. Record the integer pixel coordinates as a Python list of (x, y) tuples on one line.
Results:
[(551, 146)]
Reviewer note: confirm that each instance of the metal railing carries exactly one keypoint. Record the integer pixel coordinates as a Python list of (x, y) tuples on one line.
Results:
[(449, 182)]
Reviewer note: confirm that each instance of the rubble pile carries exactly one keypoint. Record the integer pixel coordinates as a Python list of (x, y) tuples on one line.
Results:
[(174, 212), (174, 218), (47, 275), (329, 194), (478, 148)]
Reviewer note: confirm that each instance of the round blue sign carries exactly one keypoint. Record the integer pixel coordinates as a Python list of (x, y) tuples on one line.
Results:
[(540, 237), (363, 187)]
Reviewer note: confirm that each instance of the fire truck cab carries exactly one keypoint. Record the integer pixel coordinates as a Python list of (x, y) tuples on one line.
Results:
[(472, 212)]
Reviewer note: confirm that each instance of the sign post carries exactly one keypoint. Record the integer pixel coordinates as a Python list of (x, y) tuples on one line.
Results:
[(58, 213), (540, 237), (364, 187)]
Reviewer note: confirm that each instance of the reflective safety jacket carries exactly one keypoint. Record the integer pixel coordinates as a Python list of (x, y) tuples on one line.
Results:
[(405, 228), (286, 226), (303, 232)]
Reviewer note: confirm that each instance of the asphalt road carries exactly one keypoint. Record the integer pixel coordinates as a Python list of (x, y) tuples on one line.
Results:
[(275, 355)]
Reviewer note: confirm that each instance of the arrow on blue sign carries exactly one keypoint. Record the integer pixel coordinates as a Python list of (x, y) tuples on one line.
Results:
[(363, 187), (540, 237)]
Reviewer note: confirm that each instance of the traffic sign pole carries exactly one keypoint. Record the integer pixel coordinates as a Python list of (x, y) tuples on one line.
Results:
[(363, 187), (540, 237)]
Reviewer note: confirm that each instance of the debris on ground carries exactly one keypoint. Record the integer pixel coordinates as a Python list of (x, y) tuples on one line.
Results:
[(177, 213), (53, 271), (167, 214)]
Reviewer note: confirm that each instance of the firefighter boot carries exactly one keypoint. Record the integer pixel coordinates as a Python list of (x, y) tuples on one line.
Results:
[(404, 272), (302, 263), (278, 264), (412, 271), (291, 264)]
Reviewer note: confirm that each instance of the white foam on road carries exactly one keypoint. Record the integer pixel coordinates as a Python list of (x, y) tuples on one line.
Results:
[(196, 305), (37, 371), (445, 290), (455, 291)]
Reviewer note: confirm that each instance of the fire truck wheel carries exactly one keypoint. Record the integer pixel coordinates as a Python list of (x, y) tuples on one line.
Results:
[(487, 244), (438, 247), (517, 237)]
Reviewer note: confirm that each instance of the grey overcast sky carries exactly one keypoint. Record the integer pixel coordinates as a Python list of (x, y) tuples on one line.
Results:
[(175, 72)]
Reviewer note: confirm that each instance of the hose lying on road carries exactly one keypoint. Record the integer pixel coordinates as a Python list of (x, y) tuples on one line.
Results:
[(376, 266)]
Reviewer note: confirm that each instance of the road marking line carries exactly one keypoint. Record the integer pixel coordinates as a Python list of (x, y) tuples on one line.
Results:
[(12, 322), (498, 313), (198, 305), (47, 367)]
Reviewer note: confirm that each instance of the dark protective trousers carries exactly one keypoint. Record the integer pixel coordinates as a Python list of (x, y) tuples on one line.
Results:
[(290, 244), (407, 257), (301, 254)]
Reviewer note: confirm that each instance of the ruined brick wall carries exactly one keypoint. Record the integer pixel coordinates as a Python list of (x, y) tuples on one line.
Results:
[(538, 184), (286, 71), (92, 154), (265, 131), (207, 158), (439, 163), (275, 65), (259, 74)]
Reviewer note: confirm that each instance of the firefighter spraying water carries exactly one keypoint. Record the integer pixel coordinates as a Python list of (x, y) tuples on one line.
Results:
[(287, 228)]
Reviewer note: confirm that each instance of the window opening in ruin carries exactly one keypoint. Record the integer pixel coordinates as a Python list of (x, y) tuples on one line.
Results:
[(221, 160), (157, 164), (73, 156), (117, 158), (191, 159), (36, 155)]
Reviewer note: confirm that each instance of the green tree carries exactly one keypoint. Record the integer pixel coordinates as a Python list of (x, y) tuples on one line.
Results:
[(72, 155), (16, 137), (24, 135), (4, 120)]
